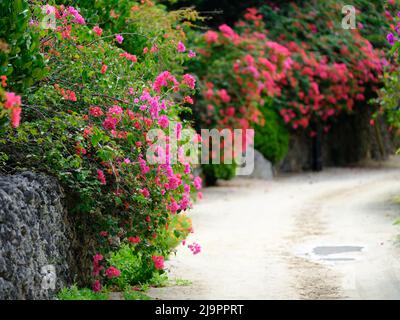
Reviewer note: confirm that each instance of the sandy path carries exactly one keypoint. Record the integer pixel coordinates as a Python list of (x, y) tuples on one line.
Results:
[(282, 239)]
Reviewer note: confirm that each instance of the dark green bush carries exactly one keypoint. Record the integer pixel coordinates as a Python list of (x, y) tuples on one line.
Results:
[(272, 139)]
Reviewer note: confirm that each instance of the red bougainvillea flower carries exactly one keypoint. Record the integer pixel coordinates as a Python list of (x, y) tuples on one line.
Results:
[(95, 111), (112, 272), (3, 80), (134, 239), (96, 286), (98, 30), (158, 262), (101, 177)]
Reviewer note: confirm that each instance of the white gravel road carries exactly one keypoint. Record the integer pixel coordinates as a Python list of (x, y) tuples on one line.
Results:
[(327, 235)]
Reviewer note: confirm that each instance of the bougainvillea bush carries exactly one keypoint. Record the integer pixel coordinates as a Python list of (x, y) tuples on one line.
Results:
[(239, 70), (87, 123), (334, 69)]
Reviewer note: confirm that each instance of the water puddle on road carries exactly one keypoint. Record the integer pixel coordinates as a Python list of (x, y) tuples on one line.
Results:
[(331, 253), (328, 250)]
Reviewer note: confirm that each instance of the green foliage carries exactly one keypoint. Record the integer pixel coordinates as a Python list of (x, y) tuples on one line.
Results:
[(272, 138), (135, 266), (135, 295), (20, 57), (73, 293), (213, 172)]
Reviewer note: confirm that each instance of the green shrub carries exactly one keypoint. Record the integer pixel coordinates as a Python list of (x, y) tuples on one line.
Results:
[(213, 172), (135, 267), (272, 139)]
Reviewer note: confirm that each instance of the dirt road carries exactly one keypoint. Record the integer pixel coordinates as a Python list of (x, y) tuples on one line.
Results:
[(307, 236)]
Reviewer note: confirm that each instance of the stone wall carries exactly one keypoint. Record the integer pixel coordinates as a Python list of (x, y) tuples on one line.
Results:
[(37, 257)]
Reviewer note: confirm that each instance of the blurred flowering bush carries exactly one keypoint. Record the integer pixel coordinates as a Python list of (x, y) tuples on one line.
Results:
[(333, 68), (239, 70), (88, 122)]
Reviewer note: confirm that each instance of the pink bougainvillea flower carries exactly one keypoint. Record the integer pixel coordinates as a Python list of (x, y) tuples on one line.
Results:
[(195, 248), (154, 49), (16, 116), (162, 81), (96, 286), (145, 192), (211, 37), (197, 182), (12, 100), (191, 54), (173, 207), (189, 80), (97, 258), (181, 47), (158, 262), (112, 272), (188, 99), (101, 177), (223, 94), (110, 123), (97, 30), (115, 110), (163, 121), (119, 38), (129, 56)]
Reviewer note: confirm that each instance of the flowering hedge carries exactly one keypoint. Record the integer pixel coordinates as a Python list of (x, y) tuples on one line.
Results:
[(88, 122), (334, 69)]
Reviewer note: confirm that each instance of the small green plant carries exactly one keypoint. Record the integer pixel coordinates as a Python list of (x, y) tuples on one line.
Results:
[(181, 282), (159, 280), (74, 293), (135, 295)]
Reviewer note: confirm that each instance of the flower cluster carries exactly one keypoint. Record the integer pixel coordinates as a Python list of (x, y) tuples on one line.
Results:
[(10, 103)]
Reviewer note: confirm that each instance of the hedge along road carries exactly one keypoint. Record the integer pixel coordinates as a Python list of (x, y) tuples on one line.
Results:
[(327, 235)]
